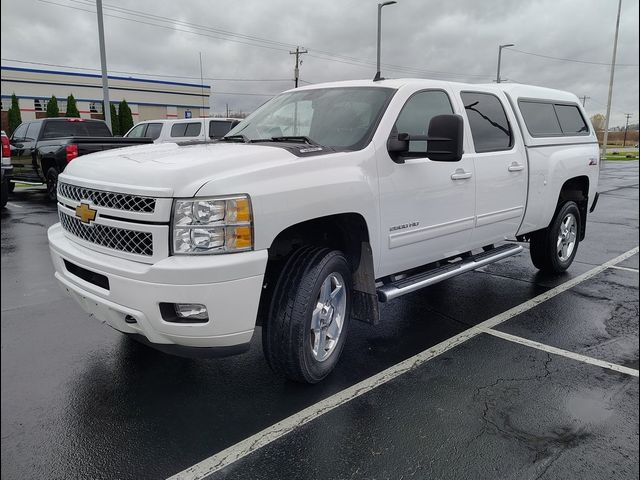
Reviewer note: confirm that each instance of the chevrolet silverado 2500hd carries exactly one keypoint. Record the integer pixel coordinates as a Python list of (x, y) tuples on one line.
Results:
[(324, 202)]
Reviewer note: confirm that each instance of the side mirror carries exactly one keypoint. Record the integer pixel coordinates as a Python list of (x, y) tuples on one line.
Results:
[(398, 143), (444, 138)]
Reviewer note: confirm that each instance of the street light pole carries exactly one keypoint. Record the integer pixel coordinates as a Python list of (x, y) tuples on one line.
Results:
[(500, 47), (380, 5), (103, 63)]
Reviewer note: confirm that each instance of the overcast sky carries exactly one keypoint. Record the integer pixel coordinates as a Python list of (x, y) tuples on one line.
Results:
[(250, 40)]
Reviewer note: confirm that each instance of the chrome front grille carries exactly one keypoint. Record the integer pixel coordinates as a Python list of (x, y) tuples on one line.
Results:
[(101, 198), (121, 239)]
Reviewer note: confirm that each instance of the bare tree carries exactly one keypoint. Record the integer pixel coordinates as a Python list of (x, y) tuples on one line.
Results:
[(598, 122)]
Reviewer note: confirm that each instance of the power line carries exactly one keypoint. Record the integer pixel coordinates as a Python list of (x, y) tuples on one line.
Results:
[(164, 26), (254, 41), (572, 59)]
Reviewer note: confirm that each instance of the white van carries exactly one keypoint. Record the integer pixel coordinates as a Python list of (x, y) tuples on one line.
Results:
[(183, 130)]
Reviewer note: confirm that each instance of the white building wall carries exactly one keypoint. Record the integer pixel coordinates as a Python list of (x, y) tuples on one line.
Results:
[(164, 99)]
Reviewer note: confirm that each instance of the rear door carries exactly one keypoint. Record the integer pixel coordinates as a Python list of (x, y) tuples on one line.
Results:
[(500, 166)]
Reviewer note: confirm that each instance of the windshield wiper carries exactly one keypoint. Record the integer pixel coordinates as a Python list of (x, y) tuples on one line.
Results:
[(296, 138), (234, 138)]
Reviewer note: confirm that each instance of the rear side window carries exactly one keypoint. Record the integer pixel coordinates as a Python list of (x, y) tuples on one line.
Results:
[(190, 129), (571, 120), (547, 119), (490, 128), (540, 118)]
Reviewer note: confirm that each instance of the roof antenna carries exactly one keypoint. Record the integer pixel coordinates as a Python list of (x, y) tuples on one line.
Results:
[(380, 5)]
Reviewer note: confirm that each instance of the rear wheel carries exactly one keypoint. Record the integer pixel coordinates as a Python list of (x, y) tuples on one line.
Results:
[(52, 184), (304, 335), (554, 248), (11, 186)]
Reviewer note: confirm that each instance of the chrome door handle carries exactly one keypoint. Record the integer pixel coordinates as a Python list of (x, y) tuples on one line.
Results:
[(516, 167), (460, 174)]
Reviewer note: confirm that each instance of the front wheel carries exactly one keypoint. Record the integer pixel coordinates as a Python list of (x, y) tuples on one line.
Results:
[(52, 184), (309, 316), (554, 248)]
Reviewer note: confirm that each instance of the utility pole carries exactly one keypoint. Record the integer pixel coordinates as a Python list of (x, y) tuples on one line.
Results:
[(296, 70), (103, 64), (626, 127), (227, 110), (613, 67), (584, 100), (201, 87)]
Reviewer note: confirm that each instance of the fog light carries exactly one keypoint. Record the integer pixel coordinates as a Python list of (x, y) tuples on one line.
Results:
[(191, 311)]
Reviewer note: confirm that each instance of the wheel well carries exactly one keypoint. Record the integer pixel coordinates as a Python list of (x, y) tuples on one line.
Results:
[(577, 189), (46, 164), (346, 232)]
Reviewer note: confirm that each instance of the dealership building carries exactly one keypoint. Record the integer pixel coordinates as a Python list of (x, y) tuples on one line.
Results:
[(149, 99)]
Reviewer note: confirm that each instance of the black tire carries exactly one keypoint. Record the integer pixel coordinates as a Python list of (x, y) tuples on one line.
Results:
[(5, 192), (286, 335), (11, 186), (52, 184), (544, 243)]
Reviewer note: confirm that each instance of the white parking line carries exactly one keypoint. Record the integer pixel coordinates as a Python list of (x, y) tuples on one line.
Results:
[(11, 204), (249, 445), (628, 269), (561, 352)]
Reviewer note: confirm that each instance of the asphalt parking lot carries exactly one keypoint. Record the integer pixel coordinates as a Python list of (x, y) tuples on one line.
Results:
[(499, 373)]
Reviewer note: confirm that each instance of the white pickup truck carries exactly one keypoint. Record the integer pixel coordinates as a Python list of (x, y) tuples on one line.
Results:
[(324, 202)]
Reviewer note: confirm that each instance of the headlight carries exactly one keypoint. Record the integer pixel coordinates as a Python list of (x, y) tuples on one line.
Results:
[(212, 225)]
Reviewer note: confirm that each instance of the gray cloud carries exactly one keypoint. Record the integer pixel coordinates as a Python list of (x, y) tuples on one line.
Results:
[(459, 38)]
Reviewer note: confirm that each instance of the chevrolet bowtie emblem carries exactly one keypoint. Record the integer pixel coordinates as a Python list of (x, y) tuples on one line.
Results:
[(85, 213)]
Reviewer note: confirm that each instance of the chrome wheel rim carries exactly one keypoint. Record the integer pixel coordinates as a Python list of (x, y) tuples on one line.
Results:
[(327, 318), (567, 235)]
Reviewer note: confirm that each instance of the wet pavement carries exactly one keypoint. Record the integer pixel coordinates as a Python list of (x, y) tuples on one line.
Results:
[(79, 400)]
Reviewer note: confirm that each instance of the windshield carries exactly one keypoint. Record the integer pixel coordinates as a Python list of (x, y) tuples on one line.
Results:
[(341, 118)]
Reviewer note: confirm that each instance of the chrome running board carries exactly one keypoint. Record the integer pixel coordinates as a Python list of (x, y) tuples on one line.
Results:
[(420, 280)]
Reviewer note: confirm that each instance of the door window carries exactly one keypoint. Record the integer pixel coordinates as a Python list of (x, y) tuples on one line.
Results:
[(417, 113), (33, 131), (490, 128), (153, 130), (137, 131), (20, 133)]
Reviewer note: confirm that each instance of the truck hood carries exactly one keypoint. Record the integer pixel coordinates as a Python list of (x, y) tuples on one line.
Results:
[(168, 169)]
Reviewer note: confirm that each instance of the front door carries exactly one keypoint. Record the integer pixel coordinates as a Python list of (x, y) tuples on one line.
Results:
[(23, 142), (427, 208)]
